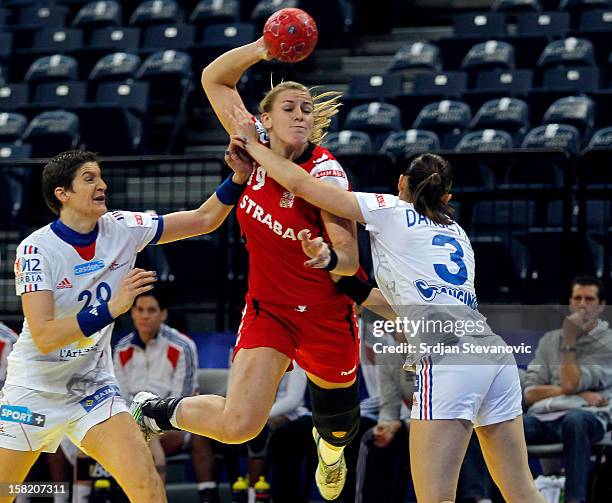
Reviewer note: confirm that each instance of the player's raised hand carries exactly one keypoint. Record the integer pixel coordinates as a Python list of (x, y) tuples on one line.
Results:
[(262, 50), (317, 249), (243, 125), (137, 281)]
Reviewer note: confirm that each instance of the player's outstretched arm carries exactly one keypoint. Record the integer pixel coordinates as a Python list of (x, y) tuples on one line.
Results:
[(219, 78), (209, 216), (50, 334)]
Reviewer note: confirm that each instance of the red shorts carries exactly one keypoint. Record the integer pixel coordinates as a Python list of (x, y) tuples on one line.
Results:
[(323, 341)]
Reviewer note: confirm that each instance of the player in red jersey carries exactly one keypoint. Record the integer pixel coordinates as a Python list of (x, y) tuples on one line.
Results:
[(292, 312)]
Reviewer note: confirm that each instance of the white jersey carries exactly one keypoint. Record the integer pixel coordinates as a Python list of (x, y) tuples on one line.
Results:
[(167, 365), (416, 261), (82, 271), (7, 339)]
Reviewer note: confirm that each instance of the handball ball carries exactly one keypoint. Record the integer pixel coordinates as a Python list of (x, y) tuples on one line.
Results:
[(290, 35)]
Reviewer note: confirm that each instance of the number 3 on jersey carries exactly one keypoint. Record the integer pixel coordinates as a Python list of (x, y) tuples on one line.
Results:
[(456, 256), (103, 294)]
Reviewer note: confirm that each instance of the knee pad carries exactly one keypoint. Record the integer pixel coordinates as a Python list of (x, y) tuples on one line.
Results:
[(257, 446), (335, 410)]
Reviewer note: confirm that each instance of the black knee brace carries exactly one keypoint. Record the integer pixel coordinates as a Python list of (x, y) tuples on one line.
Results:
[(335, 410)]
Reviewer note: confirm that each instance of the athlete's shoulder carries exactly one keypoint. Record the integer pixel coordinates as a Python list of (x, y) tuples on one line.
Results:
[(176, 337), (322, 164), (375, 201), (129, 218), (39, 240)]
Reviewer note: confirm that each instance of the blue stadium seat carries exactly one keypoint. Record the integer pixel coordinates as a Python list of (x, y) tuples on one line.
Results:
[(488, 55), (3, 75), (51, 132), (6, 46), (42, 16), (581, 5), (417, 55), (169, 74), (65, 95), (574, 79), (115, 38), (152, 12), (12, 126), (486, 140), (561, 136), (116, 67), (98, 14), (601, 138), (413, 141), (119, 109), (375, 86), (375, 118), (504, 82), (57, 67), (348, 142), (577, 111), (507, 114), (13, 96), (15, 151), (57, 40), (596, 21), (170, 78), (448, 119), (227, 36), (515, 6), (567, 52), (265, 8), (484, 25), (215, 11), (543, 24), (177, 37), (442, 84)]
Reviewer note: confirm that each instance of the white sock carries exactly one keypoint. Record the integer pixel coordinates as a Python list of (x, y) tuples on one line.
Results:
[(209, 484), (329, 453), (251, 495), (173, 418), (61, 498)]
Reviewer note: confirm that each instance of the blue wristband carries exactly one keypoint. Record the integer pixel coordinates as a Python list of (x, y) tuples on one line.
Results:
[(229, 192), (94, 319)]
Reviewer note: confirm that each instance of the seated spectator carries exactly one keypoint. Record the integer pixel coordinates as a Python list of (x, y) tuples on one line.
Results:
[(383, 469), (568, 385), (7, 339), (157, 358)]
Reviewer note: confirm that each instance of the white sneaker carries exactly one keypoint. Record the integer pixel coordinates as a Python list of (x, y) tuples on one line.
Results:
[(147, 426), (330, 479)]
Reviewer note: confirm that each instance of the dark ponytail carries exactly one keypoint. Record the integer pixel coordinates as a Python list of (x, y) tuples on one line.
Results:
[(429, 178)]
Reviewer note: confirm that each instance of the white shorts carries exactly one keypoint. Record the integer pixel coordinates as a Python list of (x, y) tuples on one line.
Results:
[(31, 420), (483, 394)]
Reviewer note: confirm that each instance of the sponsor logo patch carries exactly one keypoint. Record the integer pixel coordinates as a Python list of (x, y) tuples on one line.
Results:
[(287, 200), (23, 415), (65, 283), (93, 400), (429, 292), (380, 199), (115, 265), (88, 267)]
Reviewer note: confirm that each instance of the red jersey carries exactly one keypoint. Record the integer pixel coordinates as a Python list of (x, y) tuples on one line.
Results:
[(271, 219)]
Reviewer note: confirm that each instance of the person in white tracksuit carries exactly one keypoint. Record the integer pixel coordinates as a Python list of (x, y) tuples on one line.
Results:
[(423, 260)]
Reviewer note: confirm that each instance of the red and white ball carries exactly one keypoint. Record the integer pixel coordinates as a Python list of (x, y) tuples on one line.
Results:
[(290, 35)]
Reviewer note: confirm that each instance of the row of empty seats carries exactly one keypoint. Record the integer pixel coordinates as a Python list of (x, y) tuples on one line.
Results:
[(498, 124)]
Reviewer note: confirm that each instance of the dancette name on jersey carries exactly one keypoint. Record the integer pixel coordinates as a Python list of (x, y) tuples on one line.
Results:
[(258, 213)]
